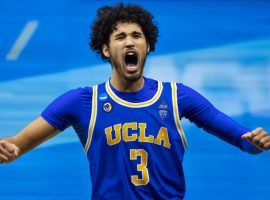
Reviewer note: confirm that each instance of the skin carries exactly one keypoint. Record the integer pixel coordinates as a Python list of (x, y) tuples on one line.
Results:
[(31, 136), (259, 138), (126, 37)]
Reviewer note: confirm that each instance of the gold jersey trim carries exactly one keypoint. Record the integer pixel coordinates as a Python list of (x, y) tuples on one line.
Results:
[(134, 105), (92, 120), (176, 115)]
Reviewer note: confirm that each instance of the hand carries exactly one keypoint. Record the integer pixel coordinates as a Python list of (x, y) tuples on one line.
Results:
[(259, 138), (8, 152)]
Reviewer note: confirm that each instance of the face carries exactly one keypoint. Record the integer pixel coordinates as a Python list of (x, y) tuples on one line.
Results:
[(127, 51)]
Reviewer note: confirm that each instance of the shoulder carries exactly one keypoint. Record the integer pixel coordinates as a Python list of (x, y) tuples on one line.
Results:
[(68, 107), (187, 95), (77, 93), (186, 91), (182, 89), (73, 97), (80, 91)]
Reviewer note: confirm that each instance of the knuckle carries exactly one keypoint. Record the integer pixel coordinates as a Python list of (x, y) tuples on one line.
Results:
[(3, 158), (2, 142), (267, 146), (256, 139), (261, 143), (264, 140), (257, 131)]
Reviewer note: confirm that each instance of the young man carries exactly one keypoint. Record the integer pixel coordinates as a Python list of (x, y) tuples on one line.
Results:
[(130, 126)]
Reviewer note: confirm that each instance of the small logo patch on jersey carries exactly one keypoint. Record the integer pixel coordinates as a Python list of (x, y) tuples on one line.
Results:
[(163, 110), (103, 97), (107, 107)]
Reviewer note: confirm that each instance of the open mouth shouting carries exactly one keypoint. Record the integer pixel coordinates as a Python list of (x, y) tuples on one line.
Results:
[(131, 61)]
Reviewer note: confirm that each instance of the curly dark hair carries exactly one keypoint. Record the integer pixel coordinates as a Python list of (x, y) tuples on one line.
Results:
[(107, 18)]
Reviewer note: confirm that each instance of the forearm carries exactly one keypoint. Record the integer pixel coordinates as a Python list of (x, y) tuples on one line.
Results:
[(34, 134), (26, 146)]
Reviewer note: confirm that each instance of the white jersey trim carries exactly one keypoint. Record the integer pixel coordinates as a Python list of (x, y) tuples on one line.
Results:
[(92, 119), (176, 115), (134, 105)]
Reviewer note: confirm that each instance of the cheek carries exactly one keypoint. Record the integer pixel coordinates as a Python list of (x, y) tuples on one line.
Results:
[(116, 51), (116, 56), (144, 47)]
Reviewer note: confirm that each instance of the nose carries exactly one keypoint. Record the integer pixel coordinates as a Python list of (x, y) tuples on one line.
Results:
[(129, 42)]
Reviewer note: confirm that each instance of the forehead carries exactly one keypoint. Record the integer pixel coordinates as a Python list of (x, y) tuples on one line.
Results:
[(126, 27)]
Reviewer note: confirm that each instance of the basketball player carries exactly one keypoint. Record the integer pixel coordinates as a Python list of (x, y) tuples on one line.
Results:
[(130, 125)]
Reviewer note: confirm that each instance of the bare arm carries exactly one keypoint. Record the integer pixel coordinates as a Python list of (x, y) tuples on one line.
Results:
[(31, 136)]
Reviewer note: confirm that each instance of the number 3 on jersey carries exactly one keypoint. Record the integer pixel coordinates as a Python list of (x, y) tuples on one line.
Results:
[(142, 167)]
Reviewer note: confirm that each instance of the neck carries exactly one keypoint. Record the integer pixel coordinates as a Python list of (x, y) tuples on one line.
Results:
[(123, 85)]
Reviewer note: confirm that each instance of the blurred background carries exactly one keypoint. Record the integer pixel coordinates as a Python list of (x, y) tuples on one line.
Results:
[(219, 48)]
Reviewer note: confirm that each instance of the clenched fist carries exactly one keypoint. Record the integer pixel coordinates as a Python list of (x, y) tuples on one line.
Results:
[(8, 152), (259, 138)]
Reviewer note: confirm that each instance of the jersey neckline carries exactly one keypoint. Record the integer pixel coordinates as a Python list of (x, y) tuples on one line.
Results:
[(126, 103)]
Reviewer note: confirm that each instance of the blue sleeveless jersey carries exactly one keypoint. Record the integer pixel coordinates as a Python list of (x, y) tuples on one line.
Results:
[(135, 145), (135, 150)]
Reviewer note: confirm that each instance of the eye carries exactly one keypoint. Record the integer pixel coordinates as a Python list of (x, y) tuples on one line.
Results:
[(137, 36), (119, 38)]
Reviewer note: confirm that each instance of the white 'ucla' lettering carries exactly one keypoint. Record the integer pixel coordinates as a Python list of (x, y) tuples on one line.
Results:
[(132, 131)]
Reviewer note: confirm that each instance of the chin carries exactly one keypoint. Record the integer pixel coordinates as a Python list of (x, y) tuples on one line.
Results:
[(133, 77)]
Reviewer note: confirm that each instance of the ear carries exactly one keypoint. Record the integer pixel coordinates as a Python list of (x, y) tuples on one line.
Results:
[(148, 47), (106, 50)]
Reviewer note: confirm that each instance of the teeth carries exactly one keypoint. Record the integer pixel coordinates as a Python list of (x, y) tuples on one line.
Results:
[(131, 53)]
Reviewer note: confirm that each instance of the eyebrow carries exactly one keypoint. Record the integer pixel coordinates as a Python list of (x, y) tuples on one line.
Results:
[(137, 33), (123, 33)]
